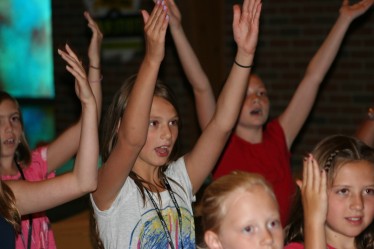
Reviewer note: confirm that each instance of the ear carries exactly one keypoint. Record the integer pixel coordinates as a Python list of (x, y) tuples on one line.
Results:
[(211, 240)]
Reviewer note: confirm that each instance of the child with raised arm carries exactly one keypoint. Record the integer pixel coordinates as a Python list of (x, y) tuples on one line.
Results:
[(18, 162), (335, 204), (256, 147), (24, 197), (144, 194), (240, 210)]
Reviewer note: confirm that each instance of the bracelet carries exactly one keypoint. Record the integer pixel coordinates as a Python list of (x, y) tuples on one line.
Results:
[(97, 68), (371, 114), (240, 65), (97, 81)]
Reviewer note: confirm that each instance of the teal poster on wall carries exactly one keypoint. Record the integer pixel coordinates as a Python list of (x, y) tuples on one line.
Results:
[(26, 60)]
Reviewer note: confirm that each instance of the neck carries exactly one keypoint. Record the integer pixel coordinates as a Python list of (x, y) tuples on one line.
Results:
[(8, 166), (250, 134), (339, 241), (150, 175)]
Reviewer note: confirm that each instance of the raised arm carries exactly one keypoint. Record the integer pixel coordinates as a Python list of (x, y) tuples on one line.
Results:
[(204, 97), (365, 132), (293, 118), (314, 199), (65, 146), (201, 160), (132, 132), (32, 197)]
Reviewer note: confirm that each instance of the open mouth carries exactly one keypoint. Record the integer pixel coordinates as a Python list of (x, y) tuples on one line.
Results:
[(162, 151)]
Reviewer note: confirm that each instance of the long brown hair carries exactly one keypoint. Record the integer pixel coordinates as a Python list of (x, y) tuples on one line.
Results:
[(23, 152), (109, 137), (8, 207), (331, 154)]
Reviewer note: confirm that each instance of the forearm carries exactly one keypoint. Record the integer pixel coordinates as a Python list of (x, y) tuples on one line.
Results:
[(95, 78), (204, 96), (232, 95), (322, 60), (86, 162), (134, 130)]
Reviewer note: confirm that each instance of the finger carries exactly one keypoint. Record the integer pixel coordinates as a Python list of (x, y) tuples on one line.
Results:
[(323, 185), (78, 74), (345, 2), (316, 175), (246, 5), (154, 15), (237, 15), (71, 52), (299, 183), (257, 14), (145, 15)]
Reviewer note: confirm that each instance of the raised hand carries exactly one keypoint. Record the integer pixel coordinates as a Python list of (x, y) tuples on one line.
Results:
[(313, 192), (174, 14), (155, 30), (355, 10), (96, 40), (246, 25), (75, 67)]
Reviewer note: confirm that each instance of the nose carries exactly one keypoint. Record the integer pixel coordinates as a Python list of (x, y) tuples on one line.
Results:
[(267, 238), (255, 99), (357, 202), (165, 132), (7, 125)]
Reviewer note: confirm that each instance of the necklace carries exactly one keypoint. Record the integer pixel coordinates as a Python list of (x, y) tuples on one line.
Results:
[(29, 216), (159, 214)]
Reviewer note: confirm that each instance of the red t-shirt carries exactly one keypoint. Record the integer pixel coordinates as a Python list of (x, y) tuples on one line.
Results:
[(270, 158), (296, 245)]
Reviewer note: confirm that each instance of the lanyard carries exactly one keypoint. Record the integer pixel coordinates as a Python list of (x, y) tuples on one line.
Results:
[(29, 216), (167, 232)]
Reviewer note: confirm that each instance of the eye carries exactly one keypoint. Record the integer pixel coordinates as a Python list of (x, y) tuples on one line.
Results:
[(369, 191), (274, 224), (343, 191), (15, 119), (153, 123), (248, 229), (262, 93), (174, 122)]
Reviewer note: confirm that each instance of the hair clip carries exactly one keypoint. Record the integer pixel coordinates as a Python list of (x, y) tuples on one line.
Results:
[(330, 160)]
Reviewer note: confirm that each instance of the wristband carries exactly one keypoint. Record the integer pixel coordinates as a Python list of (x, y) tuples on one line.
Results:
[(240, 65), (97, 68)]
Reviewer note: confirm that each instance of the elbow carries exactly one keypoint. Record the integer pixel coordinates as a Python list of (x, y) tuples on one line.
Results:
[(89, 186), (133, 140)]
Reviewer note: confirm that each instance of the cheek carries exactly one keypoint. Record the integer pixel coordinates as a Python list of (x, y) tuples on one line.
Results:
[(335, 208)]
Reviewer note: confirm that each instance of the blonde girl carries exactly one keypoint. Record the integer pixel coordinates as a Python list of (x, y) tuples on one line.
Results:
[(240, 210)]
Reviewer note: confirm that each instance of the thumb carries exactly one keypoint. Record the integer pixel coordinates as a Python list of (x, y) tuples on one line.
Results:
[(145, 15), (299, 183)]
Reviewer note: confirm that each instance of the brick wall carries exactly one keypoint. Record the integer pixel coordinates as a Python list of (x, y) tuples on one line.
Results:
[(291, 31)]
